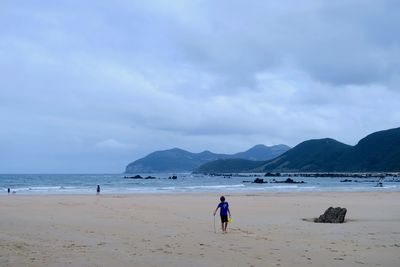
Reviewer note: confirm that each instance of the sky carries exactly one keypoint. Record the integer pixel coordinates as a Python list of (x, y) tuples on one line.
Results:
[(90, 86)]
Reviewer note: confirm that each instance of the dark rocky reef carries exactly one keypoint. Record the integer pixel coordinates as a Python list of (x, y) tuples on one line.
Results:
[(287, 181), (259, 181), (344, 174), (139, 177), (133, 177)]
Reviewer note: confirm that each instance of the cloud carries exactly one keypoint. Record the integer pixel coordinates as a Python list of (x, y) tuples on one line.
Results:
[(90, 87), (111, 144)]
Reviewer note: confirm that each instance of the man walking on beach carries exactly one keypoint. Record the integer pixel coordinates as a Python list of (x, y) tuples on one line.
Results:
[(224, 211)]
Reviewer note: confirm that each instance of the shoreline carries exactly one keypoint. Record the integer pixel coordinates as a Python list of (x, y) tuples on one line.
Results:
[(205, 194), (271, 190), (114, 184), (268, 229)]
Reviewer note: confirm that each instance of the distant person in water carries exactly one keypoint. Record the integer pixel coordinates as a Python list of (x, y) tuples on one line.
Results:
[(98, 189), (8, 190), (223, 212)]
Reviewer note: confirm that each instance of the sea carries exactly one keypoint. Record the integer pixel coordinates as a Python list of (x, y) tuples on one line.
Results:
[(50, 184)]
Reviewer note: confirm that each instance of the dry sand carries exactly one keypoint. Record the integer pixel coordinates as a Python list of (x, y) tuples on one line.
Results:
[(177, 230)]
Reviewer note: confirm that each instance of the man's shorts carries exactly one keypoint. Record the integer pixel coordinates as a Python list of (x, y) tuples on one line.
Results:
[(224, 218)]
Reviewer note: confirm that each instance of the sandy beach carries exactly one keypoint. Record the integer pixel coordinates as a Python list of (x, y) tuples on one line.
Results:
[(268, 229)]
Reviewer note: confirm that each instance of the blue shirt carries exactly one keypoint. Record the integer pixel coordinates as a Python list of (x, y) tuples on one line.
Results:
[(224, 206)]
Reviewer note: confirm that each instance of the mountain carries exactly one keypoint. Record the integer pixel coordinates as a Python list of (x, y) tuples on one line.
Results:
[(178, 160), (308, 156), (229, 166), (261, 152), (379, 151), (172, 160)]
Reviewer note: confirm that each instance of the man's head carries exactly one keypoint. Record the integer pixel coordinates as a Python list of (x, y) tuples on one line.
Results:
[(222, 198)]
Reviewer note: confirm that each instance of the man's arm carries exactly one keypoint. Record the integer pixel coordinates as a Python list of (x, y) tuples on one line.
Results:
[(229, 211), (216, 210)]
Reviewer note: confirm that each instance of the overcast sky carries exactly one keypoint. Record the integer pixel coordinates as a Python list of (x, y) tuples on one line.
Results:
[(89, 86)]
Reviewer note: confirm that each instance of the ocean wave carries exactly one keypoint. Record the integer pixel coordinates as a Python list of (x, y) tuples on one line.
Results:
[(214, 186), (44, 188), (284, 186)]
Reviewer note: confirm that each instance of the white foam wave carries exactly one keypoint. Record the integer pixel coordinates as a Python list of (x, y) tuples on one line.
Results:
[(214, 186)]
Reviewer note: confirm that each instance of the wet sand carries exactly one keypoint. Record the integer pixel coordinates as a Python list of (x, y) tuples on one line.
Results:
[(268, 229)]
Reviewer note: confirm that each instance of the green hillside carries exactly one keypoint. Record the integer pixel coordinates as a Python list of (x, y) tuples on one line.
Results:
[(377, 152), (179, 160), (311, 155)]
